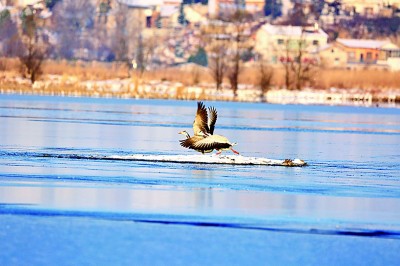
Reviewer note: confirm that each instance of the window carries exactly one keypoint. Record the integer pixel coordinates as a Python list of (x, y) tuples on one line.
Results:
[(280, 41), (315, 42), (369, 55), (148, 22), (368, 11)]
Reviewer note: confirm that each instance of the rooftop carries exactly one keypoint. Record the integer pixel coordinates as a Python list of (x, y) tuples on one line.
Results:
[(363, 43), (149, 3), (167, 11), (294, 31)]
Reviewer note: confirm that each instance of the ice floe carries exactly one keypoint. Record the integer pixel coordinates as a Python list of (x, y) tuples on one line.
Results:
[(211, 159)]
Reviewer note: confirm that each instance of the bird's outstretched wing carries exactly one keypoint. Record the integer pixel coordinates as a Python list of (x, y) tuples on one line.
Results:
[(187, 143), (200, 124), (205, 143), (212, 119)]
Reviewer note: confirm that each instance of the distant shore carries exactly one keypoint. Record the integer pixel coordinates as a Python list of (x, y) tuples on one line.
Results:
[(58, 85)]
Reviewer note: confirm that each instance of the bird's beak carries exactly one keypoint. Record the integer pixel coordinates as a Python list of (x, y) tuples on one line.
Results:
[(180, 132)]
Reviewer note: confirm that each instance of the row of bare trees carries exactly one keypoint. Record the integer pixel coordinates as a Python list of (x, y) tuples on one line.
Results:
[(228, 45)]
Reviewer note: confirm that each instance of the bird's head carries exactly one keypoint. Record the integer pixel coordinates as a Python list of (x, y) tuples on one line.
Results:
[(184, 132)]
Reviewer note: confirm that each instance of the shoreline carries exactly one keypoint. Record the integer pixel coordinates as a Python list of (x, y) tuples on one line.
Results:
[(134, 89)]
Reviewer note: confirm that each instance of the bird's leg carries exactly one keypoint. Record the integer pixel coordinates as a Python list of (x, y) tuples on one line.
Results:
[(235, 152), (218, 152)]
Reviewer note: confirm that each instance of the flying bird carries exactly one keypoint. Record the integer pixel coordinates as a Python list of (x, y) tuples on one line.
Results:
[(195, 138), (201, 125), (204, 139)]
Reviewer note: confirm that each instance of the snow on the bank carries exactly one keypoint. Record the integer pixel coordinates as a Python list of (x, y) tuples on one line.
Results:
[(211, 159)]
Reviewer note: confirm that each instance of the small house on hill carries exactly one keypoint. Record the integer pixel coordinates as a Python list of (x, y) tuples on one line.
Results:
[(352, 53)]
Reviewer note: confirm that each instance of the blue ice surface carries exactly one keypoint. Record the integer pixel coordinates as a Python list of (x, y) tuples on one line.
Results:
[(41, 240), (62, 203)]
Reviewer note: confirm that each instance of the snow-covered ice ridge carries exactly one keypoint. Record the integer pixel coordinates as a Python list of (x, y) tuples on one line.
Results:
[(211, 159)]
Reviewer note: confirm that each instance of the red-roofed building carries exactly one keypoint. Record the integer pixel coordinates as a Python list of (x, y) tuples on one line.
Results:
[(365, 51), (361, 52)]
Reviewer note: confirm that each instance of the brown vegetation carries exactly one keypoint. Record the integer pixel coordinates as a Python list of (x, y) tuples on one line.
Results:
[(367, 79), (85, 70)]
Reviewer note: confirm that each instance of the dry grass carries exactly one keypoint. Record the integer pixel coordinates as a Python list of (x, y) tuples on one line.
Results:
[(251, 75), (186, 77), (85, 70), (9, 64), (367, 79)]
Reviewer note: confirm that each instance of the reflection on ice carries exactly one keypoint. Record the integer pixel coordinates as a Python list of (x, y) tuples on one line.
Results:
[(208, 203)]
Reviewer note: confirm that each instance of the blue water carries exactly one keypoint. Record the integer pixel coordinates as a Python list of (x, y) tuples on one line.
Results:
[(53, 176)]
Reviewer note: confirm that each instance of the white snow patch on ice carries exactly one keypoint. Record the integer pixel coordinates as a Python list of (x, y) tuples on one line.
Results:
[(211, 159)]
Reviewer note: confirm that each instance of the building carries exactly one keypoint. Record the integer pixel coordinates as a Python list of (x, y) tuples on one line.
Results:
[(217, 8), (195, 15), (24, 3), (273, 41), (368, 7), (366, 51), (332, 56), (147, 12), (352, 53)]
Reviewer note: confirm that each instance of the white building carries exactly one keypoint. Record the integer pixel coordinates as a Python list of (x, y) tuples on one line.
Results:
[(272, 42), (220, 7)]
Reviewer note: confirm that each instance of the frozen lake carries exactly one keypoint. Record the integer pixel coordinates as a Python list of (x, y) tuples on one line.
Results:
[(58, 184)]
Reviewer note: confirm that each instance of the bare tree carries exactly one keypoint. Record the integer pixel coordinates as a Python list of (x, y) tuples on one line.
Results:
[(265, 75), (134, 45), (298, 64), (32, 56), (286, 62), (144, 51), (215, 39), (226, 46), (234, 70), (303, 65), (195, 73), (33, 48), (121, 38), (238, 21), (217, 62)]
